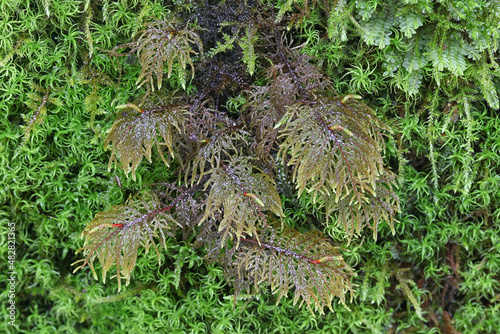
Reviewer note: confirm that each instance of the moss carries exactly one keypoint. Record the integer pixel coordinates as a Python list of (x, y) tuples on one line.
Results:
[(445, 150)]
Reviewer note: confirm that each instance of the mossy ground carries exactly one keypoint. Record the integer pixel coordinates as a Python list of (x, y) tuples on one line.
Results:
[(444, 256)]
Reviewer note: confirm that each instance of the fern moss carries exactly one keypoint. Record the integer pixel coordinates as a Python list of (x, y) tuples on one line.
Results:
[(427, 69)]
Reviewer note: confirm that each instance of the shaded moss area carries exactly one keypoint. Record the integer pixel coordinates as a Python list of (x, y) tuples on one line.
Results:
[(430, 71)]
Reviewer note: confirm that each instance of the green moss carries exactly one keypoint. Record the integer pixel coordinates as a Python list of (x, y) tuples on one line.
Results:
[(430, 71)]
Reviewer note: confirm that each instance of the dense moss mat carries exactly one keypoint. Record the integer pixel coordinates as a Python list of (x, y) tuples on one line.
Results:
[(439, 272)]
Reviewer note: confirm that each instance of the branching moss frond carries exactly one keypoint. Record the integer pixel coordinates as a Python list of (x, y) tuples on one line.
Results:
[(136, 130), (37, 102), (243, 196), (163, 41), (305, 262), (114, 237), (214, 141), (334, 147)]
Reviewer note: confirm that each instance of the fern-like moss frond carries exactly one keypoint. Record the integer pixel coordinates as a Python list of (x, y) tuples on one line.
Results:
[(161, 41), (95, 78), (37, 102), (306, 262), (247, 45), (268, 107), (243, 195), (269, 103), (114, 237), (215, 142), (334, 146), (39, 113), (136, 130), (372, 210)]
